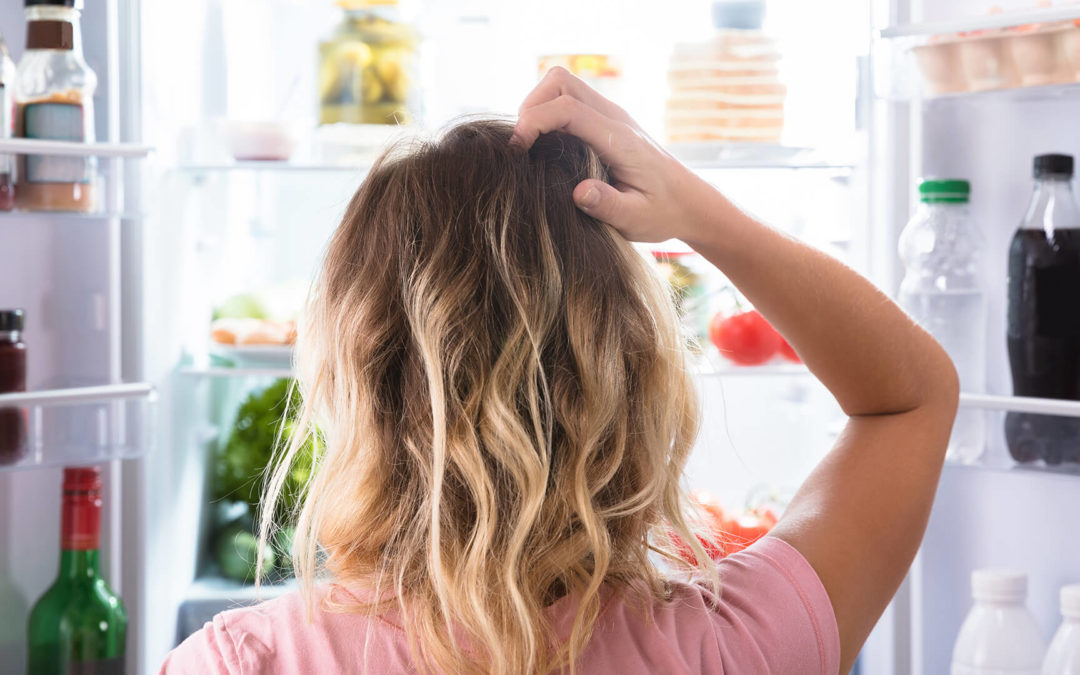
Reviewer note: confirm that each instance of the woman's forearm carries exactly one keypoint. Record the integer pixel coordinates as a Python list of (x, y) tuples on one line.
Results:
[(871, 356)]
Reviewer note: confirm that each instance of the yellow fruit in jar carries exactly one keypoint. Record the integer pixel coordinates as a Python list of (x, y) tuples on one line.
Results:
[(371, 90), (356, 54), (331, 83)]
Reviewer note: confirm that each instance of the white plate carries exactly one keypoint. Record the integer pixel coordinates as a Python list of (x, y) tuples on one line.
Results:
[(246, 354)]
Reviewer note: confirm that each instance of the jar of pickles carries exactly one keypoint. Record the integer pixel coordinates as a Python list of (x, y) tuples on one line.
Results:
[(366, 67)]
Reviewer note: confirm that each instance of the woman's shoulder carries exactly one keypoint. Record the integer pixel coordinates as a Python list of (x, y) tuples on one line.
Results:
[(287, 635)]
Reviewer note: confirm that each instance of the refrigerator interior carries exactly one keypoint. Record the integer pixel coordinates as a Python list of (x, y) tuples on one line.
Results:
[(225, 227)]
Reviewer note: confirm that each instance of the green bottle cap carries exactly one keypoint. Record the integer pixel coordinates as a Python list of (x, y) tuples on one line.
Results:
[(944, 191)]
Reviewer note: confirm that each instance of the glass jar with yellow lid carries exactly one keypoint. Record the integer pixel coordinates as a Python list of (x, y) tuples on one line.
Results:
[(366, 67)]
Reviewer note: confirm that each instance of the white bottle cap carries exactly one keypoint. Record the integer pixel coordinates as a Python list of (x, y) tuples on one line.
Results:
[(1070, 601), (996, 584)]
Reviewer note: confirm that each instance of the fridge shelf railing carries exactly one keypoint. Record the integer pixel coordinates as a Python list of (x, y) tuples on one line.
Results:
[(33, 146), (986, 22), (1024, 404), (75, 426)]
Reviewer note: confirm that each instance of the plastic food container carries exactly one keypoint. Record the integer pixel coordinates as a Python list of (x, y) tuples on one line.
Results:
[(939, 65), (1039, 55), (258, 141)]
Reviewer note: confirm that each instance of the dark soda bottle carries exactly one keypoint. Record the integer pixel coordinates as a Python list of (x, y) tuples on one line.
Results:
[(1044, 315)]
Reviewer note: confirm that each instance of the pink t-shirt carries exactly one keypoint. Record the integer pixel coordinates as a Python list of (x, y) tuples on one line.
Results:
[(772, 616)]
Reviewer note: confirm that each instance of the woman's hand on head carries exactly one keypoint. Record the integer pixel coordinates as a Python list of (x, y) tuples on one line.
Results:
[(654, 197)]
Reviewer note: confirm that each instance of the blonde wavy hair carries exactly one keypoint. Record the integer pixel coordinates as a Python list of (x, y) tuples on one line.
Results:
[(502, 405)]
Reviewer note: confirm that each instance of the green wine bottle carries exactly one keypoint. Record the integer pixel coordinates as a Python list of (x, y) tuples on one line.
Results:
[(78, 627)]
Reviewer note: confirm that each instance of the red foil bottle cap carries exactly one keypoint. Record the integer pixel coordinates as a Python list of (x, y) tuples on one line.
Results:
[(82, 479), (80, 513)]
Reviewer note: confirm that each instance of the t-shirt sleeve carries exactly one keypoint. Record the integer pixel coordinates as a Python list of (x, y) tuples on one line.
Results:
[(773, 613), (208, 651)]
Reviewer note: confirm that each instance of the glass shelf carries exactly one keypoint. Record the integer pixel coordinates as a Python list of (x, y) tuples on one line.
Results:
[(231, 371), (775, 369), (272, 167), (721, 156), (83, 425), (208, 596)]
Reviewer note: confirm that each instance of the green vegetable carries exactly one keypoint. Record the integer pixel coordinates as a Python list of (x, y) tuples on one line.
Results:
[(283, 543), (240, 466), (236, 552), (242, 306)]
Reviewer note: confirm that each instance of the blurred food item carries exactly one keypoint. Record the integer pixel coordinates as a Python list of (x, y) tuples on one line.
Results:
[(366, 66), (236, 551), (602, 72), (259, 141), (726, 89), (939, 63), (730, 532), (54, 96), (241, 306), (239, 464), (987, 62), (244, 331), (1039, 54), (745, 338)]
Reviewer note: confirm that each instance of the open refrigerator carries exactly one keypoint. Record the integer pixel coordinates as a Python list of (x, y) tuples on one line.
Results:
[(123, 372)]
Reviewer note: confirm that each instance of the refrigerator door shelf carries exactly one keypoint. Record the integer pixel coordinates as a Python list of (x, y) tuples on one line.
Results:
[(984, 22), (75, 426), (1044, 433), (28, 146)]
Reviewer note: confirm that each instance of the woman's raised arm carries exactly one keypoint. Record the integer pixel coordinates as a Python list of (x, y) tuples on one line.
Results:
[(860, 516)]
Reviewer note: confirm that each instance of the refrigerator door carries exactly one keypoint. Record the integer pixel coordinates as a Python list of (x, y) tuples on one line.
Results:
[(991, 513)]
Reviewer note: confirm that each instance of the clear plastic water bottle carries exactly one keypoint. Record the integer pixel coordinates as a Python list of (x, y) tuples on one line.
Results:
[(999, 635), (1064, 655), (942, 291)]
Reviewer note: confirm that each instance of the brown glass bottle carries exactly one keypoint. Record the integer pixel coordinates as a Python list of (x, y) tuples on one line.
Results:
[(12, 378)]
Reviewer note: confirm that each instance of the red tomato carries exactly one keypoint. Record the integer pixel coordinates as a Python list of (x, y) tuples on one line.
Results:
[(731, 534), (788, 353), (745, 338)]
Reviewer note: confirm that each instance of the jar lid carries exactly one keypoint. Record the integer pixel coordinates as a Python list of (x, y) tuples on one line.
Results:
[(74, 4), (363, 4), (11, 320), (1070, 600), (1053, 165), (998, 584), (944, 190)]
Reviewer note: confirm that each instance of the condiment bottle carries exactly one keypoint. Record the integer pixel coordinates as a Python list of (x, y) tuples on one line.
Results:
[(54, 99), (7, 126), (12, 378)]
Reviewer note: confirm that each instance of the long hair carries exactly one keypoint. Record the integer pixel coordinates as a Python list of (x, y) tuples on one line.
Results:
[(498, 387)]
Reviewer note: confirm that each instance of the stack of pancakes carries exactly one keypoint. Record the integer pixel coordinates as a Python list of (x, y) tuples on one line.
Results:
[(726, 89)]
